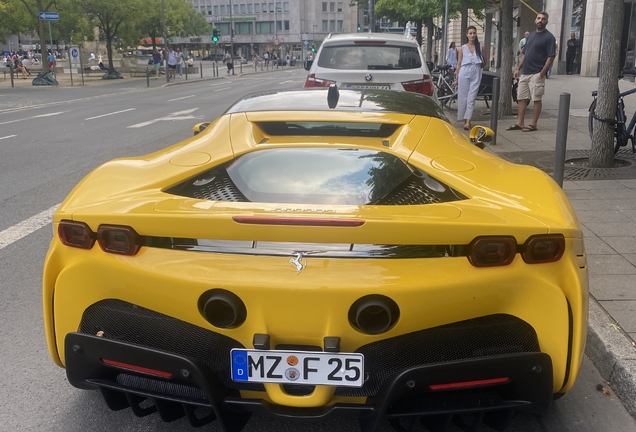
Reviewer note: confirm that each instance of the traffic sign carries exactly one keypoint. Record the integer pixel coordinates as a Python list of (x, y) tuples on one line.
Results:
[(74, 52), (48, 16)]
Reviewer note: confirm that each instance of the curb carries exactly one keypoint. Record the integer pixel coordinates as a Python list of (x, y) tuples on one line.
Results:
[(613, 354)]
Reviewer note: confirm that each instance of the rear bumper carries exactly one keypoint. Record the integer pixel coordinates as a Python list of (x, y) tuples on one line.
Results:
[(187, 384)]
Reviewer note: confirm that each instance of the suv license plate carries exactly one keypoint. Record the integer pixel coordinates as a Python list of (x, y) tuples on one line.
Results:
[(298, 367), (367, 87)]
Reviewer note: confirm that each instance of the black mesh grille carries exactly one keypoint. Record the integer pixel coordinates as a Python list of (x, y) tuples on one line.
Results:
[(157, 386), (410, 192), (125, 322), (479, 337), (221, 188)]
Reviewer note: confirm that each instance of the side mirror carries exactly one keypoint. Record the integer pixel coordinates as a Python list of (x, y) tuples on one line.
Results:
[(481, 135), (308, 64), (199, 127)]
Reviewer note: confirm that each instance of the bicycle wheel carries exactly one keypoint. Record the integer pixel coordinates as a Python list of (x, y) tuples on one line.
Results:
[(619, 139), (447, 96)]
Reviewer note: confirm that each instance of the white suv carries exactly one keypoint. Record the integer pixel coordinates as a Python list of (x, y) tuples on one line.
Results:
[(370, 61)]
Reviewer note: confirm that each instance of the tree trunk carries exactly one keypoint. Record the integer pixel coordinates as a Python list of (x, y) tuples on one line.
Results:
[(42, 35), (602, 153), (507, 60), (109, 50), (464, 22), (429, 38)]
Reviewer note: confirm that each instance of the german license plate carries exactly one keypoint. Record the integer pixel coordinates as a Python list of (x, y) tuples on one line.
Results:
[(367, 87), (298, 367)]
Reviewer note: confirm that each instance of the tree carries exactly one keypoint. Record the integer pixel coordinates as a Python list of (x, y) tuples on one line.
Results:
[(114, 18), (602, 153), (507, 60), (181, 20)]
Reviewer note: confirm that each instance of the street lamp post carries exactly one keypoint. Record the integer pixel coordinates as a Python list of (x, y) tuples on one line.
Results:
[(231, 38), (165, 39)]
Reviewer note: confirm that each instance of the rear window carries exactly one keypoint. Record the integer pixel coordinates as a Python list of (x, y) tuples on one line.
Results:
[(368, 56), (371, 130)]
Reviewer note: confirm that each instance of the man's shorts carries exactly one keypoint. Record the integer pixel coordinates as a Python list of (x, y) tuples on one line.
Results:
[(174, 66), (156, 65), (531, 87)]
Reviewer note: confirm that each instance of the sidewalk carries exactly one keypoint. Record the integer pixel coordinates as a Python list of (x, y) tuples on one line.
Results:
[(605, 202)]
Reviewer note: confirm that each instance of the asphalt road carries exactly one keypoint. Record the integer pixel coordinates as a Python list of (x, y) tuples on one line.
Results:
[(49, 140)]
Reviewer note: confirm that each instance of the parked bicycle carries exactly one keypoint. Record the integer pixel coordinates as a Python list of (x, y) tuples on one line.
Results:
[(622, 134), (446, 94)]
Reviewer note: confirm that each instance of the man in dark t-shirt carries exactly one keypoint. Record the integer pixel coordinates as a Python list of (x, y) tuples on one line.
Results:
[(537, 57)]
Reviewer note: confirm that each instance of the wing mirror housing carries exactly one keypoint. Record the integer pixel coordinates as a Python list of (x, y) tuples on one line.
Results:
[(199, 127), (308, 64), (481, 135)]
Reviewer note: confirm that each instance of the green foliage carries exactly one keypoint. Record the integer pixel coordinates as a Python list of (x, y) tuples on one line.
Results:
[(181, 20)]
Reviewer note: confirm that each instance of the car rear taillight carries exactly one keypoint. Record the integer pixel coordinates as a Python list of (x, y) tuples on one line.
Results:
[(117, 239), (544, 249), (423, 86), (135, 368), (312, 81), (492, 251), (75, 234)]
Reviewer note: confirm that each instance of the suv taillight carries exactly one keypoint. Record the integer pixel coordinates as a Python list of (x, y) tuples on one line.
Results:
[(312, 81), (423, 86)]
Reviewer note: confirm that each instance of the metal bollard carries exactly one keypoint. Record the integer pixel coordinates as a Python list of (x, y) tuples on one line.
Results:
[(201, 69), (494, 110), (11, 73), (241, 66), (147, 77), (186, 69), (561, 138)]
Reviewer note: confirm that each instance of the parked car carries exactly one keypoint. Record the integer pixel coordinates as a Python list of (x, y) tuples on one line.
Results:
[(314, 252), (370, 61)]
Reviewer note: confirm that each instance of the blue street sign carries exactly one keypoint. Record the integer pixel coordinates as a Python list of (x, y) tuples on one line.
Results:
[(74, 53), (48, 16)]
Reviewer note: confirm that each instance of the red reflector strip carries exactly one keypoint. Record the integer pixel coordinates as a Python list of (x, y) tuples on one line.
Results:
[(468, 384), (134, 368), (258, 220)]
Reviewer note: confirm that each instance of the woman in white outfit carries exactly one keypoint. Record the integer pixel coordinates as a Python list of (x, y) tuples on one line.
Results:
[(451, 56), (468, 76)]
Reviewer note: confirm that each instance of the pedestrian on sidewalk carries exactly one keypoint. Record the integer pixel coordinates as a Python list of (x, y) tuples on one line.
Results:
[(451, 56), (570, 53), (156, 62), (228, 62), (179, 55), (468, 76), (537, 57), (172, 64)]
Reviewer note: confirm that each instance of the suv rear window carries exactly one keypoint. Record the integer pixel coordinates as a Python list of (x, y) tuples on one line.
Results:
[(369, 56)]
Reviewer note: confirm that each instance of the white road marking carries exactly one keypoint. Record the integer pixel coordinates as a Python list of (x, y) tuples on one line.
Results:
[(110, 114), (221, 89), (31, 118), (285, 82), (26, 227), (179, 115), (185, 97), (8, 136)]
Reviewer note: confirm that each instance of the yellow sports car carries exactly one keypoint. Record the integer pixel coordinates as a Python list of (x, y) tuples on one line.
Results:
[(320, 251)]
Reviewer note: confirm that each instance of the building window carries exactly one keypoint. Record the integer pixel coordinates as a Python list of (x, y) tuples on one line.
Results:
[(264, 8), (216, 10), (236, 9), (340, 25), (286, 25), (222, 9), (223, 28), (265, 27), (339, 6), (332, 25), (279, 26), (332, 6), (285, 6), (257, 8), (324, 6), (243, 28), (250, 9), (271, 8), (325, 25), (243, 10)]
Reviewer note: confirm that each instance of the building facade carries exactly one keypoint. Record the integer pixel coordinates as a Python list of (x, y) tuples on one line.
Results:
[(280, 27)]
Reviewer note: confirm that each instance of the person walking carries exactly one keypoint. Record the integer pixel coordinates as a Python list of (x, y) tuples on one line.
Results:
[(228, 62), (570, 53), (468, 76), (172, 64), (538, 55), (179, 55), (451, 56), (156, 62)]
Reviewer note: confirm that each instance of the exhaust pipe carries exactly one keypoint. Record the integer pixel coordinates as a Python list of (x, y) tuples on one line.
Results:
[(373, 314), (222, 308)]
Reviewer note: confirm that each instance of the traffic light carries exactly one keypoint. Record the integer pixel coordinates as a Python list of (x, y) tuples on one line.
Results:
[(215, 35), (313, 48), (359, 28)]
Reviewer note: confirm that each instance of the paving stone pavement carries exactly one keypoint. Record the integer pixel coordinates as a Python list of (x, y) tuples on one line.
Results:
[(605, 202)]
